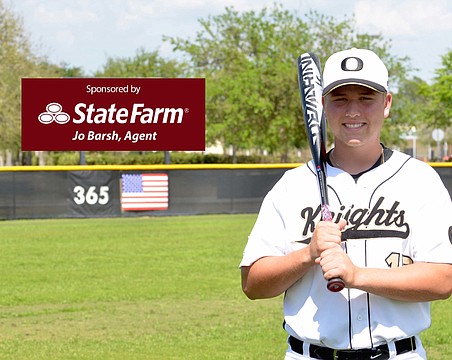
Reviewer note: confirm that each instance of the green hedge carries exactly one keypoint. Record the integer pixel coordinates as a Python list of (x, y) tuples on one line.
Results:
[(147, 158)]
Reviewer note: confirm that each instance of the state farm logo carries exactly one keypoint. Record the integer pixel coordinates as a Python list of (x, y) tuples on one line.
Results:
[(90, 114), (54, 113)]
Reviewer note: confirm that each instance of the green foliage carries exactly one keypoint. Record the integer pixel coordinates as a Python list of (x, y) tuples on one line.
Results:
[(149, 158), (426, 106), (17, 60), (142, 288), (15, 57), (67, 71), (249, 61), (406, 111), (143, 64), (438, 112)]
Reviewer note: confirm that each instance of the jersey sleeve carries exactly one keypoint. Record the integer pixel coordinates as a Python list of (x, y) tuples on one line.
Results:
[(432, 229)]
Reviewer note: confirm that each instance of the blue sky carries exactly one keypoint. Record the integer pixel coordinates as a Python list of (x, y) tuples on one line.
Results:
[(85, 33)]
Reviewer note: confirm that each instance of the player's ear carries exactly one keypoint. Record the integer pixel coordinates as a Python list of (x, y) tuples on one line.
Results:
[(388, 103)]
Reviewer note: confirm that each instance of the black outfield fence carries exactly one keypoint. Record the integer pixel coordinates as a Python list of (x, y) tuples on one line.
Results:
[(100, 191)]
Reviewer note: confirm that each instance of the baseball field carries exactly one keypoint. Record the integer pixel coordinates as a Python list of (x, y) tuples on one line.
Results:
[(142, 288)]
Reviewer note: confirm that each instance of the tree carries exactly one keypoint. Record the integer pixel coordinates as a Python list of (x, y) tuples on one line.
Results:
[(249, 62), (438, 112), (437, 107), (143, 64), (406, 111), (17, 60)]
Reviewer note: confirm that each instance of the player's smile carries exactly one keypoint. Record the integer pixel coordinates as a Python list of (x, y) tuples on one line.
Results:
[(353, 125)]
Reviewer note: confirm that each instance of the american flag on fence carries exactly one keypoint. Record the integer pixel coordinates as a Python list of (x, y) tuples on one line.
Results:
[(142, 192)]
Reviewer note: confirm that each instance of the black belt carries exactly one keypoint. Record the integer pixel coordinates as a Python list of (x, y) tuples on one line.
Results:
[(380, 352)]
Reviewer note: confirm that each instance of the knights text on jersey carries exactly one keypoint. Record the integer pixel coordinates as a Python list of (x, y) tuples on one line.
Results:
[(397, 214)]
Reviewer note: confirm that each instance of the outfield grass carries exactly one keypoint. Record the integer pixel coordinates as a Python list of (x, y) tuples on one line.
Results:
[(142, 288)]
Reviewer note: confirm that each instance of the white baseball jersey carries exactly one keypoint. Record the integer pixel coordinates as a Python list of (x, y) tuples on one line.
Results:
[(398, 213)]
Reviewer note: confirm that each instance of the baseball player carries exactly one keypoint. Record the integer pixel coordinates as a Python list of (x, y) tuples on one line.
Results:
[(389, 241)]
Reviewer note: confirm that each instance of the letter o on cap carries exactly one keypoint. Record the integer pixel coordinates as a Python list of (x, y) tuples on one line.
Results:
[(352, 64)]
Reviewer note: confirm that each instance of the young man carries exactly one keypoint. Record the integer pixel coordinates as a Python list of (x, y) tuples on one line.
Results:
[(389, 241)]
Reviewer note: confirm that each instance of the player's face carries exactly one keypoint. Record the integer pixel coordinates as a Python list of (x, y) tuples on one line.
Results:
[(355, 114)]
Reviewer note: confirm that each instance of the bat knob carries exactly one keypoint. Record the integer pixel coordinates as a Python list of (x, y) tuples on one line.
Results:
[(335, 284)]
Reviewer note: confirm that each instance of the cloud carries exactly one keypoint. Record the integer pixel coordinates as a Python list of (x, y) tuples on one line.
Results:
[(134, 12), (65, 38), (66, 15), (404, 18), (84, 32)]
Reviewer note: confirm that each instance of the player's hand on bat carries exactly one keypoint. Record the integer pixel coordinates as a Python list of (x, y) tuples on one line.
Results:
[(326, 248), (335, 263), (327, 235)]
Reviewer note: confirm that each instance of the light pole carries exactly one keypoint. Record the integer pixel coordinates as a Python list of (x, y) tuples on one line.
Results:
[(411, 135), (414, 137)]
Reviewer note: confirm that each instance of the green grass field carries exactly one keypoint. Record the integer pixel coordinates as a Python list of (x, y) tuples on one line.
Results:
[(142, 288)]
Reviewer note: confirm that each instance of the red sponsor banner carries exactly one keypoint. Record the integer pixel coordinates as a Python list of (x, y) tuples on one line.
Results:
[(112, 114)]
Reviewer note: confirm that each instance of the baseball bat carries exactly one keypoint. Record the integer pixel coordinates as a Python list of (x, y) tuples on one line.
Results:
[(311, 87)]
